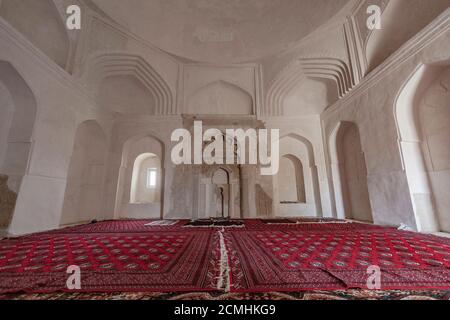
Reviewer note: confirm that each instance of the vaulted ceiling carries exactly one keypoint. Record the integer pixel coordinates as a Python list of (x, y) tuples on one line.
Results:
[(221, 30)]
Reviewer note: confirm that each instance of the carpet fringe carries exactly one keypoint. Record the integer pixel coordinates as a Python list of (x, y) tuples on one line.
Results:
[(224, 278)]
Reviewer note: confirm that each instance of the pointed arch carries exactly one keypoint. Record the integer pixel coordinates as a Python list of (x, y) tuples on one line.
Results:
[(349, 173), (220, 97), (103, 65), (18, 109), (83, 199), (307, 158), (412, 139), (133, 148), (332, 69)]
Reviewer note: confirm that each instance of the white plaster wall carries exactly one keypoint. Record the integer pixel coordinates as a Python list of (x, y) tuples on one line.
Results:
[(434, 119), (125, 95), (7, 112), (372, 108), (83, 195), (61, 105), (220, 98), (401, 20), (354, 175), (44, 28), (240, 80)]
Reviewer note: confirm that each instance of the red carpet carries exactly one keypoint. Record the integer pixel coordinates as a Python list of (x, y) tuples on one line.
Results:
[(153, 261), (128, 256), (284, 259)]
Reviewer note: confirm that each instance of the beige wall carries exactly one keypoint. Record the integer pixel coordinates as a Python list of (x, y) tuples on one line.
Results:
[(275, 93), (373, 109)]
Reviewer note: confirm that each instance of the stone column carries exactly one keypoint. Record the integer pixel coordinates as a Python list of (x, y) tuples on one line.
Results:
[(248, 192)]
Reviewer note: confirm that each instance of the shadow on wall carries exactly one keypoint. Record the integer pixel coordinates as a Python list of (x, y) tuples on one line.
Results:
[(350, 173), (7, 202)]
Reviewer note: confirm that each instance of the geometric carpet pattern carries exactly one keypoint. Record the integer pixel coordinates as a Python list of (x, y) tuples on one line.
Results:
[(350, 294), (262, 260), (306, 260), (152, 261)]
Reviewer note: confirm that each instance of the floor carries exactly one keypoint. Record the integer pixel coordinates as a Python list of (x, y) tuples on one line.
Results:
[(246, 259)]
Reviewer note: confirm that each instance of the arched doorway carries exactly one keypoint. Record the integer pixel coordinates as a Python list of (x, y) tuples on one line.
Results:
[(85, 179), (423, 121), (352, 168), (18, 113)]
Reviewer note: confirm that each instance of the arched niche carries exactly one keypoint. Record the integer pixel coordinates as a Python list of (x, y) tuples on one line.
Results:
[(148, 91), (221, 194), (349, 173), (422, 116), (291, 180), (85, 178), (299, 152), (40, 22), (146, 179), (133, 151), (310, 96), (138, 99), (220, 97), (18, 113)]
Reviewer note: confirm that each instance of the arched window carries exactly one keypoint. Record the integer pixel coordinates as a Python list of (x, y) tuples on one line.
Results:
[(146, 179)]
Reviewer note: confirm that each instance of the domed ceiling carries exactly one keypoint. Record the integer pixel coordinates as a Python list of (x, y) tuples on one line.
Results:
[(221, 31)]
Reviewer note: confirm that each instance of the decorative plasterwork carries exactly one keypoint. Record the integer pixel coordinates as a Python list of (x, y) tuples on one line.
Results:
[(317, 68), (429, 34), (112, 64)]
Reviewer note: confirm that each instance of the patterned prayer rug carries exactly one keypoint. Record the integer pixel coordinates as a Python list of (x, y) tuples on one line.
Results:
[(220, 296), (179, 260), (324, 258), (254, 258)]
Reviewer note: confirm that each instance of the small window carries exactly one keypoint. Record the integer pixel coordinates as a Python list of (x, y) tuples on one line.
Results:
[(151, 178)]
